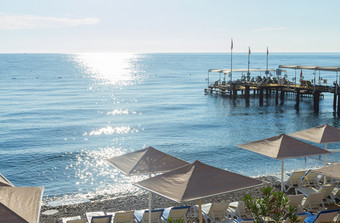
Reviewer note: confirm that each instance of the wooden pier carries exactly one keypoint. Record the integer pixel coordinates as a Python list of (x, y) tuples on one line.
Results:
[(279, 91), (261, 89)]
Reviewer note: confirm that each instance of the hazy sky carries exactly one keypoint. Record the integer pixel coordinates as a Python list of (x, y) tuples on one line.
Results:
[(169, 26)]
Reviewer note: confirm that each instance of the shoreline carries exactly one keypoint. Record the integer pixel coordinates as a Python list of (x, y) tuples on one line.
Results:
[(139, 202)]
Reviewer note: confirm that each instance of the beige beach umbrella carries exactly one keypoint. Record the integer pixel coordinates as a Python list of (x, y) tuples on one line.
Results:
[(282, 147), (196, 181), (4, 182), (146, 161), (323, 134), (20, 204), (331, 171)]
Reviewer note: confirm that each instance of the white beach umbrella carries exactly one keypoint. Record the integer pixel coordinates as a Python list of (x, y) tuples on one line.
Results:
[(196, 181), (146, 161), (282, 147), (20, 204)]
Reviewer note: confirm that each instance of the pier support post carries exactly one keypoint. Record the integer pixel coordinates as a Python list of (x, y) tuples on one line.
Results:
[(282, 95), (277, 95), (338, 110), (297, 105), (246, 94), (261, 96), (334, 102), (297, 97), (234, 92), (267, 93), (316, 101)]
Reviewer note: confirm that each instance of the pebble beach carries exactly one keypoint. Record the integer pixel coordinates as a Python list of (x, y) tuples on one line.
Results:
[(141, 202)]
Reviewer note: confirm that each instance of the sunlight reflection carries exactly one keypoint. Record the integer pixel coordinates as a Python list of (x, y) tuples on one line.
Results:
[(93, 174), (109, 68), (109, 130)]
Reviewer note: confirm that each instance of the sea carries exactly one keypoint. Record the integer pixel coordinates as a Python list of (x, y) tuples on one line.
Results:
[(62, 114)]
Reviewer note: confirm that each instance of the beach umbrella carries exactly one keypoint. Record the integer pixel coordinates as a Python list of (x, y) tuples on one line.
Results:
[(282, 147), (4, 182), (323, 134), (331, 171), (145, 161), (196, 181), (20, 204)]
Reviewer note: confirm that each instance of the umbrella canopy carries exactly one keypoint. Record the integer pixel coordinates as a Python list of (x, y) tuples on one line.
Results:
[(20, 203), (321, 134), (283, 147), (7, 215), (4, 182), (331, 171), (145, 161), (195, 181)]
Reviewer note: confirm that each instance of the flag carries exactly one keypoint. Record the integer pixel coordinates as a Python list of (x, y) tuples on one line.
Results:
[(301, 74), (249, 51), (267, 51), (232, 44)]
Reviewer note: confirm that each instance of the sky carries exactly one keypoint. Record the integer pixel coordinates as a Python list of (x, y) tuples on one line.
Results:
[(160, 26)]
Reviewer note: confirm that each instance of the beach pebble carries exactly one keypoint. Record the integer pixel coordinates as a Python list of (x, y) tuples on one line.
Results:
[(50, 212)]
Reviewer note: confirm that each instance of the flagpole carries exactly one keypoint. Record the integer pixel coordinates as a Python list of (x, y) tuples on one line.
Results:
[(248, 60), (267, 63), (231, 60)]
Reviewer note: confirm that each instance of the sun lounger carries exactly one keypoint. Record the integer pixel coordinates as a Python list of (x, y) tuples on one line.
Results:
[(75, 219), (142, 216), (122, 216), (83, 220), (323, 216), (326, 189), (237, 210), (176, 213), (89, 215), (310, 179), (296, 201), (313, 202), (301, 217), (215, 212), (102, 219), (293, 181)]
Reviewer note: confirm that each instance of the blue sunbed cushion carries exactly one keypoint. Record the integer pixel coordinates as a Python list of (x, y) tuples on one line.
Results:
[(311, 217)]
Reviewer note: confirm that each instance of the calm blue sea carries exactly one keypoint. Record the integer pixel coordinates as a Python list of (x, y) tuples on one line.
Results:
[(62, 114)]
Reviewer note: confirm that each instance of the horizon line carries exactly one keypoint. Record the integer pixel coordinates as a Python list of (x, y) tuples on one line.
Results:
[(169, 52)]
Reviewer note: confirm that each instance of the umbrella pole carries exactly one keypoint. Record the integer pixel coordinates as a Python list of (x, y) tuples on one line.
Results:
[(282, 175), (150, 198), (200, 211), (324, 163)]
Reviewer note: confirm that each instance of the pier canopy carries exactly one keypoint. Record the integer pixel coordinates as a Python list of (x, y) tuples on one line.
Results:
[(299, 67), (226, 71)]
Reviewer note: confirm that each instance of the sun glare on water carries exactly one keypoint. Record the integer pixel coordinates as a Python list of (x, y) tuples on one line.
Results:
[(109, 68)]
